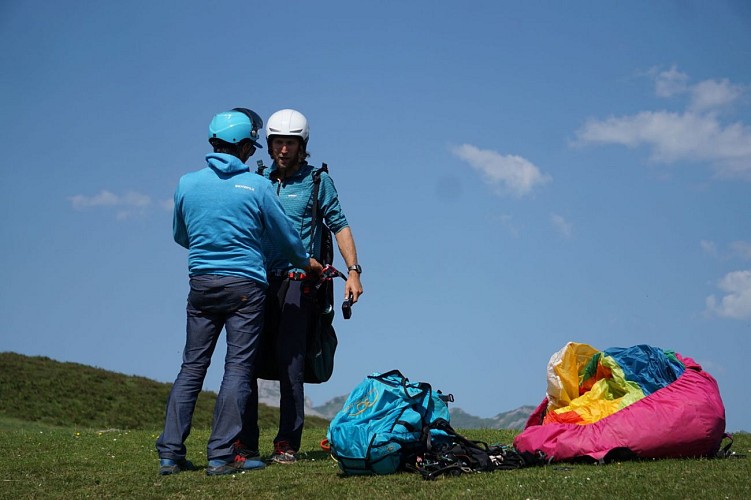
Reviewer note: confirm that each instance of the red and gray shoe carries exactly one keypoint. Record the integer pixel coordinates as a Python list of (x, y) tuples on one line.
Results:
[(284, 453), (241, 450)]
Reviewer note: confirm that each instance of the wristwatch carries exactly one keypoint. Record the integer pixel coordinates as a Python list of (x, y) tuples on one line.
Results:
[(356, 268)]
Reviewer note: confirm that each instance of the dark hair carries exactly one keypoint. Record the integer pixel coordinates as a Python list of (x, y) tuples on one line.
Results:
[(229, 148)]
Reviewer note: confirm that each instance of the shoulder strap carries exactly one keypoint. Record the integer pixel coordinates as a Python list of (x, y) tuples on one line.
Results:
[(314, 216), (261, 167)]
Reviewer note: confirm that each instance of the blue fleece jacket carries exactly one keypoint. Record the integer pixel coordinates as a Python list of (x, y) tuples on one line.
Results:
[(222, 212)]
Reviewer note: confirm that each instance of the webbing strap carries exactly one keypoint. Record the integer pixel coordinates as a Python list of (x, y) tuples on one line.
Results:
[(314, 215)]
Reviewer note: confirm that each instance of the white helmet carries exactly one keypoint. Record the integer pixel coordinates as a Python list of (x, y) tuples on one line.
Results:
[(288, 122)]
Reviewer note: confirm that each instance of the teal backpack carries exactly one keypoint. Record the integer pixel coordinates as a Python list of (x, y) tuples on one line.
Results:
[(383, 425)]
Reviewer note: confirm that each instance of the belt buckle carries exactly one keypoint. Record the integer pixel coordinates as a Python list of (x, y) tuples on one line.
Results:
[(296, 276)]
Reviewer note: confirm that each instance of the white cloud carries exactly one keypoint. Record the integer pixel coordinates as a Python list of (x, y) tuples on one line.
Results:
[(714, 94), (736, 250), (136, 200), (671, 82), (509, 173), (741, 249), (126, 204), (736, 303), (507, 221), (103, 199), (709, 247), (695, 134), (705, 95), (168, 204), (678, 137), (562, 225)]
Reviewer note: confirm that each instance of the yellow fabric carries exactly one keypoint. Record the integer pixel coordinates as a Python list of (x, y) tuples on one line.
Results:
[(606, 396), (564, 368)]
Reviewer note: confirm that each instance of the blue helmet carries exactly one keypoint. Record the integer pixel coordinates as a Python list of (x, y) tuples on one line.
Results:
[(235, 125)]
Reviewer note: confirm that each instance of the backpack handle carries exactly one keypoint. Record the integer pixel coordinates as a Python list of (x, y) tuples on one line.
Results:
[(388, 374), (422, 388)]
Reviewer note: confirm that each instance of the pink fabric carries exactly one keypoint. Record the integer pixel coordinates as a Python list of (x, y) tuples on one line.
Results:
[(684, 419)]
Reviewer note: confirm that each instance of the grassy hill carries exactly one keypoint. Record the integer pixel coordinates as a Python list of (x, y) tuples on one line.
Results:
[(39, 389)]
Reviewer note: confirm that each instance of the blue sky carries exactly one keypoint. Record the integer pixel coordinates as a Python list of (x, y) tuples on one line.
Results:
[(517, 175)]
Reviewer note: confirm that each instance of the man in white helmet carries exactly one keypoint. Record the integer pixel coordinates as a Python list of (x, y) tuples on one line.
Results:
[(290, 294)]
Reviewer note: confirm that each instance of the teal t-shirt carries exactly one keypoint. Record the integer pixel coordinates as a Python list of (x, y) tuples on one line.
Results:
[(296, 197)]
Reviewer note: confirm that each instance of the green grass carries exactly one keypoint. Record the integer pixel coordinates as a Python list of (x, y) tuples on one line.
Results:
[(39, 389), (55, 462), (73, 431)]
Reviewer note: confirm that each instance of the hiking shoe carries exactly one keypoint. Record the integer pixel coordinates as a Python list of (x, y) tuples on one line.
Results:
[(240, 464), (168, 466), (283, 453), (243, 451)]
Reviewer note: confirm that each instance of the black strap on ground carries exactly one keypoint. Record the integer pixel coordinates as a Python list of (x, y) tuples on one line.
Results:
[(450, 453), (725, 452)]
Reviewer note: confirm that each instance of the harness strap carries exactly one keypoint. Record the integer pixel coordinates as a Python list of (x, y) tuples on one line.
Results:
[(314, 215)]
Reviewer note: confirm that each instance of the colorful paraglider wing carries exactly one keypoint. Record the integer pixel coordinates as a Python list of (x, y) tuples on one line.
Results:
[(651, 402), (586, 385)]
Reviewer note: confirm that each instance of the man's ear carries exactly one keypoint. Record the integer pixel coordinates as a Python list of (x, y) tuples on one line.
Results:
[(248, 149)]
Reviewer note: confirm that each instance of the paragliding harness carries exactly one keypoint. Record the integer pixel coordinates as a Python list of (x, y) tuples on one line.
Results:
[(389, 424), (327, 249), (379, 429), (321, 339), (452, 454)]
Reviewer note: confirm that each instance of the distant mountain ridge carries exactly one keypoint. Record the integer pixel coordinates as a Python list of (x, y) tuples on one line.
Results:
[(512, 419), (268, 394)]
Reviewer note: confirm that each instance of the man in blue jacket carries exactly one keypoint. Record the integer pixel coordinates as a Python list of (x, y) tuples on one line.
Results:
[(220, 215)]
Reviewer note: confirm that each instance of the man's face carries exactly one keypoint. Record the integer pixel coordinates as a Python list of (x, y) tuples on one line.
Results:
[(286, 151)]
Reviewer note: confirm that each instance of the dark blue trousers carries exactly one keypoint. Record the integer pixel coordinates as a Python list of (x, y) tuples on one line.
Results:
[(215, 302), (289, 306)]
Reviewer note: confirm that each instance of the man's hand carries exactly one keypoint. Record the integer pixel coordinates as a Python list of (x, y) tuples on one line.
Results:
[(353, 287), (314, 267), (346, 244)]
